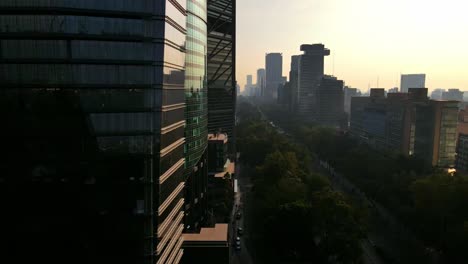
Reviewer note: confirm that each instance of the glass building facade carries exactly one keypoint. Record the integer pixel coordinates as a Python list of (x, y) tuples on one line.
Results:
[(222, 66), (93, 98), (196, 115)]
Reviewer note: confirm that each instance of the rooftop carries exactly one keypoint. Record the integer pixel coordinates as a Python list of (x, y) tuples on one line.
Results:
[(230, 168), (219, 233), (218, 137)]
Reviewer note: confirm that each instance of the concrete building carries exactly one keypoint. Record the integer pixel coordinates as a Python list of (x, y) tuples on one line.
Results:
[(393, 90), (462, 153), (452, 95), (274, 75), (407, 123), (436, 132), (210, 246), (221, 176), (348, 94), (310, 74), (412, 81), (94, 130), (437, 94), (462, 141)]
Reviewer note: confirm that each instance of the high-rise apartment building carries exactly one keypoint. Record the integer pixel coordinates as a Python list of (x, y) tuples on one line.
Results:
[(196, 116), (274, 75), (261, 82), (310, 74), (93, 104), (222, 66), (412, 81)]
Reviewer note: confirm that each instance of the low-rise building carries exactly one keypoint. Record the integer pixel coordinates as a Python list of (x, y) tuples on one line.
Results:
[(210, 246)]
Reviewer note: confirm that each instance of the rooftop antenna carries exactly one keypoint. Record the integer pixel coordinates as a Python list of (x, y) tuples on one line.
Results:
[(378, 79)]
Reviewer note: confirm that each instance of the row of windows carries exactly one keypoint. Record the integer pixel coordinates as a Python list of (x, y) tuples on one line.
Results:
[(67, 74), (93, 50), (135, 123), (109, 5), (115, 100), (170, 184), (171, 137), (124, 123), (171, 117), (127, 145), (86, 25), (172, 158)]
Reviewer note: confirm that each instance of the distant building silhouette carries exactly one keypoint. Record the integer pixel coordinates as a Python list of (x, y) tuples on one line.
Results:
[(294, 83), (412, 81), (453, 94), (261, 82), (348, 94), (274, 75), (437, 94)]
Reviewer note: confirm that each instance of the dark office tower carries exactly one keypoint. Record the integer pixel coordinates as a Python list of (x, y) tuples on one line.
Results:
[(330, 103), (293, 82), (261, 82), (196, 115), (93, 106), (274, 75), (221, 66), (311, 70)]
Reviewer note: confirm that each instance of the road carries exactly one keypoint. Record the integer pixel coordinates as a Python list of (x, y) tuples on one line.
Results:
[(243, 256)]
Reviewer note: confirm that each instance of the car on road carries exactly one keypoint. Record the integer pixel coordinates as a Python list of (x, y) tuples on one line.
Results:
[(238, 247), (238, 239), (240, 231)]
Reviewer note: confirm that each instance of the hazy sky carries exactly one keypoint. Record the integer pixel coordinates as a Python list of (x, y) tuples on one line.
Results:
[(368, 39)]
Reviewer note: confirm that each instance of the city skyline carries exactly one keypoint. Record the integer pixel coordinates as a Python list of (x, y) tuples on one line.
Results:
[(368, 47)]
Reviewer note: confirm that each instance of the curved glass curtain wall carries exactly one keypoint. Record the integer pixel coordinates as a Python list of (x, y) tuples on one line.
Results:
[(196, 132)]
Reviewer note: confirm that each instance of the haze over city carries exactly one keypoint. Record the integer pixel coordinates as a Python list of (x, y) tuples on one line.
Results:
[(368, 39)]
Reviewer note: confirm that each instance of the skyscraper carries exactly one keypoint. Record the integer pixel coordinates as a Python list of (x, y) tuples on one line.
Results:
[(249, 88), (249, 80), (261, 82), (221, 66), (274, 75), (412, 81), (196, 116), (93, 104), (293, 82), (310, 74)]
